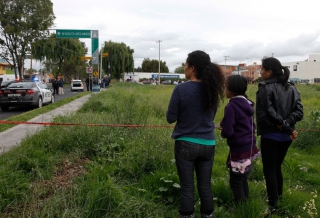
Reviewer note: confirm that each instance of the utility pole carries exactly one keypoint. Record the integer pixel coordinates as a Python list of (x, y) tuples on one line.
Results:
[(123, 60), (159, 60), (100, 71), (225, 65), (272, 54)]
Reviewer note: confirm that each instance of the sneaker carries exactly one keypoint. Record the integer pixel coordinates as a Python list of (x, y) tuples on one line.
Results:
[(207, 215), (187, 216), (269, 211)]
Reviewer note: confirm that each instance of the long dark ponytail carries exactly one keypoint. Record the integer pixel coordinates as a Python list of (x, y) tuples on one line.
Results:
[(282, 73), (211, 76)]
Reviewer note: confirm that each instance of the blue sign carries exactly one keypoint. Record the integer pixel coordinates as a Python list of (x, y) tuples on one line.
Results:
[(95, 88), (165, 76)]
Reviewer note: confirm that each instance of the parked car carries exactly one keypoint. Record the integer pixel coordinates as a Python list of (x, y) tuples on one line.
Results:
[(25, 93), (76, 85), (4, 84), (166, 82), (147, 81)]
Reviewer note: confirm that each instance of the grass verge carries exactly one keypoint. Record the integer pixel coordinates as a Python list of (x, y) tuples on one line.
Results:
[(130, 172)]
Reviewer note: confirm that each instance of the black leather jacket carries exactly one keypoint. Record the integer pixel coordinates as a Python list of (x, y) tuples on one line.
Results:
[(276, 106)]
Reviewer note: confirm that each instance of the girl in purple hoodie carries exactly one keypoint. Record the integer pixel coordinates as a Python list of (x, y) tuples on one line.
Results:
[(238, 127)]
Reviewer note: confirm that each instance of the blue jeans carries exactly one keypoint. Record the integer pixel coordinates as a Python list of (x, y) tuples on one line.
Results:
[(239, 186), (189, 157), (273, 153)]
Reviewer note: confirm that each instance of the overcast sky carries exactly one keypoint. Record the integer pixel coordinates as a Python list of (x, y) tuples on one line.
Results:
[(244, 30)]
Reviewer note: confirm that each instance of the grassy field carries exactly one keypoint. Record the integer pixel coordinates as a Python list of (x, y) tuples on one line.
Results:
[(112, 171)]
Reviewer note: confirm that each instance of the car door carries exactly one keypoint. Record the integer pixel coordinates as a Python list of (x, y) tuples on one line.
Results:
[(46, 97), (47, 92)]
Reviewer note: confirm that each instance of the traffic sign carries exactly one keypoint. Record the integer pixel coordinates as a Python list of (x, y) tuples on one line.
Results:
[(95, 49), (95, 74), (85, 58), (89, 69), (104, 54), (73, 33)]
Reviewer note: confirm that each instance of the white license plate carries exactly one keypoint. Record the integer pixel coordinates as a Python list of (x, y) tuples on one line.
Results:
[(14, 95)]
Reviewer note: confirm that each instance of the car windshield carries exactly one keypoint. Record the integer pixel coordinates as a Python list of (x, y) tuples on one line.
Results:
[(76, 82), (25, 85)]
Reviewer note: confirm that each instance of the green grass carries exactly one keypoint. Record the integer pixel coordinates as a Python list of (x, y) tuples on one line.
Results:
[(130, 172)]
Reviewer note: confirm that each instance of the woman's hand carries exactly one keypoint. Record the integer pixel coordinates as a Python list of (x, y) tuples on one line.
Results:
[(294, 135)]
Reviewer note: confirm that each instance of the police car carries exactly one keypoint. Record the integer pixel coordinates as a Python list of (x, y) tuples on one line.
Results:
[(25, 93)]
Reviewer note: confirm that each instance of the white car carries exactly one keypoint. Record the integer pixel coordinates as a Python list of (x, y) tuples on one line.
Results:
[(76, 85)]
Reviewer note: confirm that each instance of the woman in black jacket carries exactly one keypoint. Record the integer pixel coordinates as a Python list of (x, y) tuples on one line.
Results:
[(278, 108)]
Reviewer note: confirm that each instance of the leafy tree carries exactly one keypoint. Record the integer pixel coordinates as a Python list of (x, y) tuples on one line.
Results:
[(58, 51), (180, 69), (138, 69), (74, 69), (22, 22), (31, 70), (153, 66), (119, 59)]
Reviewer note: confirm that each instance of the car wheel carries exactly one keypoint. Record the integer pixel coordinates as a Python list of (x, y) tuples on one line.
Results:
[(52, 99), (4, 108), (39, 102)]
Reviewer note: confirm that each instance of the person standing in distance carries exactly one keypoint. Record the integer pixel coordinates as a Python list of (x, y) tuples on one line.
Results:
[(193, 106), (278, 108)]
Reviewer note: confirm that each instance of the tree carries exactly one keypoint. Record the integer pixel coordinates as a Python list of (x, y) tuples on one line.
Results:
[(153, 66), (119, 59), (74, 69), (58, 51), (31, 70), (180, 69), (22, 22), (138, 69)]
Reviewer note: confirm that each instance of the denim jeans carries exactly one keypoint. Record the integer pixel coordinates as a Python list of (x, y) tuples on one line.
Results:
[(192, 157), (239, 186), (273, 153)]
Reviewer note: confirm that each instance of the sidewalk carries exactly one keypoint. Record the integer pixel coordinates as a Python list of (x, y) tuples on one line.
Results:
[(13, 136)]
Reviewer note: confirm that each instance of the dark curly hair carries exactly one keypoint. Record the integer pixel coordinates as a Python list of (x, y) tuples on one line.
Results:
[(211, 76)]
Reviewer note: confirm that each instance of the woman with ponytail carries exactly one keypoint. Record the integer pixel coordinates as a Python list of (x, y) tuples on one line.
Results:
[(193, 106), (278, 108)]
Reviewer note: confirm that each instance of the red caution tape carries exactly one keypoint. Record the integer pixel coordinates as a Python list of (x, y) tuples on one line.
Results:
[(79, 124), (110, 125)]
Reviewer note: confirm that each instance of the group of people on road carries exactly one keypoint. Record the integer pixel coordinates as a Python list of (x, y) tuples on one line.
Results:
[(103, 83), (57, 85), (193, 106)]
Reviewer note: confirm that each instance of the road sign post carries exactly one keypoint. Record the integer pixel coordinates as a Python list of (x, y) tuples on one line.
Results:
[(93, 34)]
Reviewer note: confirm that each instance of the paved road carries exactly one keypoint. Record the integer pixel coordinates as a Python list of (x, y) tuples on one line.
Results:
[(13, 111), (13, 136)]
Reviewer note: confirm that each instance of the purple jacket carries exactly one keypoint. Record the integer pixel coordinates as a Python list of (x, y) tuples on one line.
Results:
[(238, 125)]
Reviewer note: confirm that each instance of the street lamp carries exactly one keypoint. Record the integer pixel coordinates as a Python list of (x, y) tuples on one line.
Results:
[(159, 60), (225, 64)]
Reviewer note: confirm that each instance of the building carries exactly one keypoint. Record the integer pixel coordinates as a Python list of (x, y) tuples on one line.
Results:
[(5, 67), (251, 72), (137, 76), (307, 71)]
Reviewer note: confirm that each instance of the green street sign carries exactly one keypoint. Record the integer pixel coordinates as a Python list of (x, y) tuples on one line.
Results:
[(73, 33), (95, 45)]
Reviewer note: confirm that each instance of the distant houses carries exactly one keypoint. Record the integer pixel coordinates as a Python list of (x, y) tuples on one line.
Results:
[(307, 71)]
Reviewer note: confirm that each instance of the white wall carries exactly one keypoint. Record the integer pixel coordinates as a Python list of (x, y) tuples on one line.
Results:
[(305, 70), (140, 75)]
